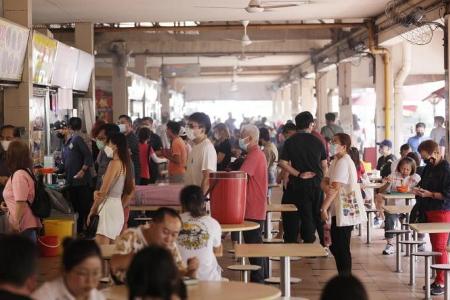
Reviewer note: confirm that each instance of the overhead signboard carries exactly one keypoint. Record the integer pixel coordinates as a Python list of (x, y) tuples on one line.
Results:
[(13, 46), (66, 63), (44, 55), (84, 70)]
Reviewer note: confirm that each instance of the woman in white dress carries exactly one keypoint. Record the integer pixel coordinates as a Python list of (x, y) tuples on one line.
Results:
[(117, 188), (82, 269)]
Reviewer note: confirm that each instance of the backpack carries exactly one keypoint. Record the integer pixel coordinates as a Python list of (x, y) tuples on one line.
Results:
[(41, 206)]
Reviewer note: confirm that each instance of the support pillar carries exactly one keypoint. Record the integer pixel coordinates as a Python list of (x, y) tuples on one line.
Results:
[(165, 98), (307, 102), (17, 100), (84, 40), (295, 98), (380, 107), (140, 65), (286, 115), (119, 80), (447, 80), (322, 98), (345, 97)]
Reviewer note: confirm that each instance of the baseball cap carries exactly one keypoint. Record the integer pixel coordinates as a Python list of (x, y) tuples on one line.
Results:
[(387, 143), (58, 125)]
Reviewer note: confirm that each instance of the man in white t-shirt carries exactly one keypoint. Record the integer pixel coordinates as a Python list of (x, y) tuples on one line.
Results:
[(202, 160)]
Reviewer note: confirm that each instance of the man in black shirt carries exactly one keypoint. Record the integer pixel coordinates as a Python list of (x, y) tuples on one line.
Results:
[(125, 126), (386, 159), (18, 267), (305, 159)]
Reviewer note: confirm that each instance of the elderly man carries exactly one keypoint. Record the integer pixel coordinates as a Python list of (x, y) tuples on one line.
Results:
[(305, 159), (255, 166), (163, 232)]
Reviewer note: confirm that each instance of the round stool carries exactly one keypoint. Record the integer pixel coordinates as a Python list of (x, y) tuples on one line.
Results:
[(274, 279), (412, 266), (244, 269), (398, 233), (445, 268), (427, 255)]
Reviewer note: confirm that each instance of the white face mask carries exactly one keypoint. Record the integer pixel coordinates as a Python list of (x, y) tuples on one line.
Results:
[(5, 145), (190, 134), (109, 151), (217, 136), (122, 128)]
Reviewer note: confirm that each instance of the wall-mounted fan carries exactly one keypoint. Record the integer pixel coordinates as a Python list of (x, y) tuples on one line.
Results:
[(258, 6)]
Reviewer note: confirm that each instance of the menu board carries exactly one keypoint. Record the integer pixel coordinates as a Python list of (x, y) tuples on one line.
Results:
[(44, 54), (13, 46), (66, 63), (84, 70)]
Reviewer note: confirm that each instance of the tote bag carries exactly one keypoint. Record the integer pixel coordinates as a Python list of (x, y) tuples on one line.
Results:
[(349, 204)]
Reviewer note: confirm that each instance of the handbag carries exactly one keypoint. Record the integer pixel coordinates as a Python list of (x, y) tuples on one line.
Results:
[(91, 229), (349, 206)]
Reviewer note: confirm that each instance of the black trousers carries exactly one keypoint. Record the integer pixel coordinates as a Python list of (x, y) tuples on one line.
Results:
[(340, 247), (81, 198), (255, 237), (307, 197)]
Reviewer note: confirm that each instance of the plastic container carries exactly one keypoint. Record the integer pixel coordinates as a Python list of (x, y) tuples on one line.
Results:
[(49, 245), (228, 196), (59, 228)]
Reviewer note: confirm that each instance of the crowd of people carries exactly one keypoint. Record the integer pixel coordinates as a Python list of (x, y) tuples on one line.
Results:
[(319, 170)]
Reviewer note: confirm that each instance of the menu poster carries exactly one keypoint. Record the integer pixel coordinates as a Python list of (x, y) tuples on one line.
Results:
[(66, 63), (13, 46), (44, 54)]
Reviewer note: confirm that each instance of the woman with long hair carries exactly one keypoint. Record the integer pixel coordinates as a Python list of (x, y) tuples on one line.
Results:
[(146, 153), (222, 145), (19, 190), (117, 188)]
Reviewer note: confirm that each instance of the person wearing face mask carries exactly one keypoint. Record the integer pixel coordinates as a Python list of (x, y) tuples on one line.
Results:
[(115, 192), (125, 126), (433, 198), (82, 269), (255, 166), (76, 161), (101, 162), (203, 158), (415, 141), (94, 133), (222, 145), (329, 130), (177, 154), (305, 159), (155, 140)]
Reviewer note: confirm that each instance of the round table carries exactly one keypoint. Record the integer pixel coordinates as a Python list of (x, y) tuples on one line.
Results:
[(219, 290), (246, 226)]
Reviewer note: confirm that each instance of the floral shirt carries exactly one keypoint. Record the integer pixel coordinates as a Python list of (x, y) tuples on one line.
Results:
[(132, 240)]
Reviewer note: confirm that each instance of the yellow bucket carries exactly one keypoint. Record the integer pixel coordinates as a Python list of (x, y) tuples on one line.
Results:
[(59, 228)]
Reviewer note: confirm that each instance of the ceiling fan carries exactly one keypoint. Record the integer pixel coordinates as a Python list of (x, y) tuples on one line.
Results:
[(258, 6), (246, 41)]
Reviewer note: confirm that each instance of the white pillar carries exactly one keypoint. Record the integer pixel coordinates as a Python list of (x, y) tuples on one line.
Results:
[(345, 97), (295, 98), (140, 65), (119, 81), (17, 100), (307, 95), (322, 98)]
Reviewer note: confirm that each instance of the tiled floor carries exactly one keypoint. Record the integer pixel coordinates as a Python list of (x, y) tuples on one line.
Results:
[(375, 270)]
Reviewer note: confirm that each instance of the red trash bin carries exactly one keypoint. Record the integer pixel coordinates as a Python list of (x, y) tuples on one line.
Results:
[(228, 196)]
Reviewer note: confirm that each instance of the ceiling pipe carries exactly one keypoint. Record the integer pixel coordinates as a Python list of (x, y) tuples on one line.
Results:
[(207, 27), (386, 55)]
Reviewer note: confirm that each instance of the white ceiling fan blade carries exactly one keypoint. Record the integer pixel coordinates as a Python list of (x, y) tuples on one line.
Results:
[(290, 1), (268, 7), (225, 7)]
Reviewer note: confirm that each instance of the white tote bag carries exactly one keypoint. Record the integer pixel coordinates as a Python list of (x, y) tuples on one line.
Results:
[(349, 204)]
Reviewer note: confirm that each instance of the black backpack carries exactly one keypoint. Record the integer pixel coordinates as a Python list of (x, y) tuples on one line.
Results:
[(41, 206)]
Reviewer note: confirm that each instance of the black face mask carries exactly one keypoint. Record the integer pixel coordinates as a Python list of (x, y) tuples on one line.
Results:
[(420, 134), (430, 161), (59, 135)]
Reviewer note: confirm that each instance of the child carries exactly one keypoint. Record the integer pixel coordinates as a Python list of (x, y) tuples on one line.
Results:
[(405, 175)]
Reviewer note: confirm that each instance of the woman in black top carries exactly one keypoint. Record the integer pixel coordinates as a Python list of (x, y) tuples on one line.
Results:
[(433, 197), (223, 146)]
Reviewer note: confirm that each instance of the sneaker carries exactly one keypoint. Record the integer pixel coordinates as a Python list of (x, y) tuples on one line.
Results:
[(437, 290), (389, 249), (377, 222), (421, 248), (433, 285)]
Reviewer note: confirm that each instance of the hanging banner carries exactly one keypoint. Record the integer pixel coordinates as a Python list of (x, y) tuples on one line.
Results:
[(44, 53), (13, 46)]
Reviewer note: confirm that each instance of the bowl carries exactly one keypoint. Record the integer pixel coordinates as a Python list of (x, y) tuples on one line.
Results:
[(402, 189)]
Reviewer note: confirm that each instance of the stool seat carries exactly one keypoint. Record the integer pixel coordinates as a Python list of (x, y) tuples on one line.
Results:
[(273, 241), (427, 253), (371, 210), (398, 231), (276, 280), (412, 242), (441, 267), (244, 267)]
